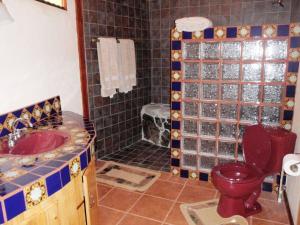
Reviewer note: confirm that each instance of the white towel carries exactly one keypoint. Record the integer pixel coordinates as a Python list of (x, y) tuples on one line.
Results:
[(192, 24), (108, 66), (127, 65)]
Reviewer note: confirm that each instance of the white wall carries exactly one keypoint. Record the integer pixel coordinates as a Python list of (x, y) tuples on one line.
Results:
[(293, 183), (39, 56)]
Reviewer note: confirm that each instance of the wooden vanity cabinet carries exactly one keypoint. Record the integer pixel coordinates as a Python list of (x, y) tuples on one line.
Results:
[(75, 204)]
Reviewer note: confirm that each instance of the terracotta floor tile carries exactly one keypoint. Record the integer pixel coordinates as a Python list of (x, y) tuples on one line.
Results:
[(177, 179), (264, 222), (165, 189), (165, 175), (102, 190), (273, 211), (136, 220), (108, 216), (120, 199), (200, 183), (152, 207), (176, 217), (192, 194), (268, 195)]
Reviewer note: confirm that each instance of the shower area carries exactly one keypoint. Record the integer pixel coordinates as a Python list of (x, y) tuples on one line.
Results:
[(196, 91)]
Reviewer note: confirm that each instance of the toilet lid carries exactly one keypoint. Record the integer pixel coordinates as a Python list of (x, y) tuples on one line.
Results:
[(257, 146)]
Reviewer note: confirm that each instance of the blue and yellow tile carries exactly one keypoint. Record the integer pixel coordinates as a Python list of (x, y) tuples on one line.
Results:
[(220, 32), (176, 115), (294, 54), (176, 95), (37, 113), (176, 35), (35, 193), (243, 32), (56, 105), (198, 35), (74, 167), (269, 30), (289, 103), (10, 118), (175, 171), (193, 175), (176, 55), (176, 75), (175, 153), (47, 108), (295, 29), (286, 125), (175, 134), (292, 78)]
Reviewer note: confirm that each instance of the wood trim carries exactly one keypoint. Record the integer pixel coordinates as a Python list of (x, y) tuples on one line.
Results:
[(81, 51)]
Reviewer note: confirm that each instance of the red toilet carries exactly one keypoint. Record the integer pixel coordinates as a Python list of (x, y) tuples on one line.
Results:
[(240, 183)]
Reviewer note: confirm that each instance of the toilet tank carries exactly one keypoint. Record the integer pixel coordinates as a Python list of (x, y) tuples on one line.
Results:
[(282, 143)]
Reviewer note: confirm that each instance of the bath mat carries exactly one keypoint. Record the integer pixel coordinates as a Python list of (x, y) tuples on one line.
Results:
[(205, 213), (129, 177)]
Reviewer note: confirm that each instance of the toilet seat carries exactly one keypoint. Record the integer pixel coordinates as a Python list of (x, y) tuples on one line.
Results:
[(238, 173)]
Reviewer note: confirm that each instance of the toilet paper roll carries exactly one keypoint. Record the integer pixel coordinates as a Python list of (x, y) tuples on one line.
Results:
[(288, 161)]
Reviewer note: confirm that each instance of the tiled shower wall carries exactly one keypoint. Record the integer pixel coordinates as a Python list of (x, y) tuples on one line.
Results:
[(163, 13), (117, 119)]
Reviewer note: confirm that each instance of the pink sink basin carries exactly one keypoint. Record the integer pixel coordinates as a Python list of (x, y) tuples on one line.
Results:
[(37, 142)]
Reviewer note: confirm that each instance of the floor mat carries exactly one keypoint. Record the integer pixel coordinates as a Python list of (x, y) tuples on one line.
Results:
[(205, 213), (128, 177)]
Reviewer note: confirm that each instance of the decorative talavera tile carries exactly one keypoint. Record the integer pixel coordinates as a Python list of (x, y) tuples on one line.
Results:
[(220, 32), (294, 54), (198, 35), (176, 95), (176, 76), (193, 175), (47, 108), (176, 134), (175, 153), (35, 193), (37, 113), (176, 55), (295, 29), (292, 78), (1, 127), (26, 115), (56, 105), (176, 115), (176, 35), (175, 171), (269, 30), (286, 125), (74, 167), (243, 32), (9, 121), (289, 103)]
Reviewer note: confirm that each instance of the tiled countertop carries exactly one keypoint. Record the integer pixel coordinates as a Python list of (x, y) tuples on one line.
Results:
[(49, 171)]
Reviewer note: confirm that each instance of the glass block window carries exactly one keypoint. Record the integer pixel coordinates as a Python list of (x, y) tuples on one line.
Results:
[(227, 86)]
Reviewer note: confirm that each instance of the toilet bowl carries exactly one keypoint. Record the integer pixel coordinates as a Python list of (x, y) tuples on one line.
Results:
[(239, 183)]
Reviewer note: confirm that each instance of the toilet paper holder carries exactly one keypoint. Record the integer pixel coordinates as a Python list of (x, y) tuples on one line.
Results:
[(294, 168)]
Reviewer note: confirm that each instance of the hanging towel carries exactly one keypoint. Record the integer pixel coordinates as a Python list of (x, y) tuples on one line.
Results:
[(108, 66), (127, 65), (192, 24)]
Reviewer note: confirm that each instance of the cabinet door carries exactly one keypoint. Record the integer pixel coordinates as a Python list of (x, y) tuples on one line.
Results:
[(90, 193)]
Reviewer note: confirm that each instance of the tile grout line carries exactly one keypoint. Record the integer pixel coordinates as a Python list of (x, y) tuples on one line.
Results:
[(128, 210), (105, 194), (175, 201)]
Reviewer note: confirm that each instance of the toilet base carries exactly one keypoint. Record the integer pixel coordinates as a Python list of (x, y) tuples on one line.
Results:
[(228, 207)]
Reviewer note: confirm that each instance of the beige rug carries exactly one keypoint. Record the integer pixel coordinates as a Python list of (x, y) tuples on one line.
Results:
[(205, 213), (129, 177)]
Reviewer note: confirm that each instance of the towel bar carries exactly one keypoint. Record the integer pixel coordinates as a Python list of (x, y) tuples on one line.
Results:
[(95, 39)]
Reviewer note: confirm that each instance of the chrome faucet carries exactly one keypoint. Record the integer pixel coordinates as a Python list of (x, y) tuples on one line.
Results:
[(17, 133)]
